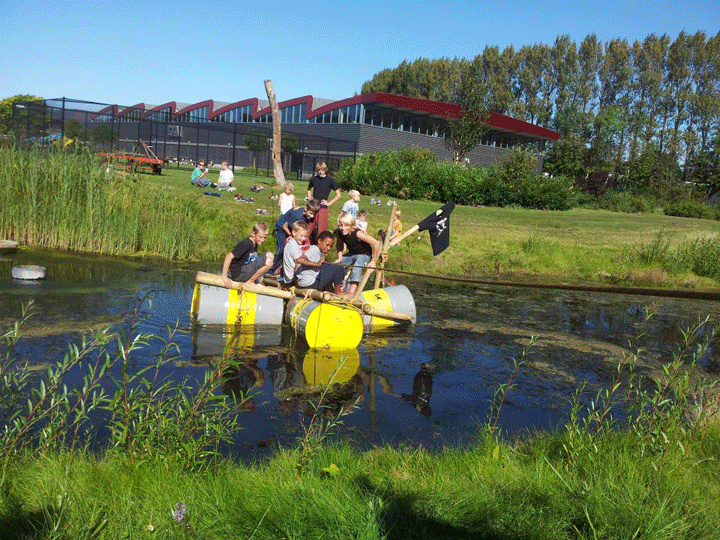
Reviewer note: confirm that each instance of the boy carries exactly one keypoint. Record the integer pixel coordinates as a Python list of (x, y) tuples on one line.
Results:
[(282, 228), (351, 206), (198, 179), (316, 273), (362, 223), (293, 250), (243, 263), (226, 176), (320, 187)]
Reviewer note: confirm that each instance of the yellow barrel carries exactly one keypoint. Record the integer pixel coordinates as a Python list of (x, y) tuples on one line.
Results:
[(324, 325), (218, 305), (396, 298), (322, 367)]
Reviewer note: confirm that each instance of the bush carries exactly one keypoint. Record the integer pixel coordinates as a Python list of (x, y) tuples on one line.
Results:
[(692, 209), (413, 173), (627, 202)]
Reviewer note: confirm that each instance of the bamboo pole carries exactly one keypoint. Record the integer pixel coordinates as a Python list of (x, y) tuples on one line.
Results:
[(381, 259), (319, 296)]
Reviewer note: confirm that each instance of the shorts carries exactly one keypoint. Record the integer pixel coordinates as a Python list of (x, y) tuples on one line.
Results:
[(358, 263), (329, 274), (250, 268)]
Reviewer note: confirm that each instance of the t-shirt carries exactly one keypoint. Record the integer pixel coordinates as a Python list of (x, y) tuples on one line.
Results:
[(226, 177), (287, 202), (353, 243), (196, 174), (292, 251), (244, 253), (307, 275), (351, 207), (290, 217), (362, 225), (322, 187)]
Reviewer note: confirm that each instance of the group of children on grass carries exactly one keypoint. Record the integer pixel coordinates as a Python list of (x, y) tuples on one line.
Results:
[(303, 239)]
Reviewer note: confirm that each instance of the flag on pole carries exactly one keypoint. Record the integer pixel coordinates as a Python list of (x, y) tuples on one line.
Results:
[(438, 225)]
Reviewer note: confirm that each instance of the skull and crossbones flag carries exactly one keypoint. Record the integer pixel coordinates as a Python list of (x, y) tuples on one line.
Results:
[(438, 225)]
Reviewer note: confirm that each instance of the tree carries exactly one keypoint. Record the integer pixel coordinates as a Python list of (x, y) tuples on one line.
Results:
[(74, 129), (27, 121), (256, 141), (103, 134), (465, 133)]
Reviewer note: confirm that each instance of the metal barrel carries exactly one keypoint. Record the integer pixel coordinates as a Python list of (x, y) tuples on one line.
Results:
[(396, 298), (213, 341), (325, 325), (218, 305)]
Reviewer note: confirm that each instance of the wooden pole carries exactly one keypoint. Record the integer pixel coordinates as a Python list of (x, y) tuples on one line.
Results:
[(277, 136), (318, 296), (380, 275)]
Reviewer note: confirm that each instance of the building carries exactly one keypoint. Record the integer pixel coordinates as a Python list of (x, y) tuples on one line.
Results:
[(323, 129)]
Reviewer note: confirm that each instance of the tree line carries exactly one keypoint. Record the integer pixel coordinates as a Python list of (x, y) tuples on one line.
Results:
[(645, 112)]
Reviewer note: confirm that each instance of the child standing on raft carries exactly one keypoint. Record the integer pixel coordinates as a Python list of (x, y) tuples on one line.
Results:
[(361, 249)]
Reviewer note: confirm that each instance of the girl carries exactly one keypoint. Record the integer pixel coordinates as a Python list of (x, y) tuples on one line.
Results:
[(286, 201), (361, 249)]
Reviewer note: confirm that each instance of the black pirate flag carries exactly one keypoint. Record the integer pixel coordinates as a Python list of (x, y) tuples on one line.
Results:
[(438, 225)]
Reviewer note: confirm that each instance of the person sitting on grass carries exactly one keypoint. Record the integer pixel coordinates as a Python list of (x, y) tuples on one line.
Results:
[(314, 272), (226, 176), (285, 222), (243, 263), (198, 179), (361, 249), (362, 220)]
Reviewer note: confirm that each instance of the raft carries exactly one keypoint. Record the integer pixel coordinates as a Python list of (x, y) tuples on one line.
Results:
[(325, 320)]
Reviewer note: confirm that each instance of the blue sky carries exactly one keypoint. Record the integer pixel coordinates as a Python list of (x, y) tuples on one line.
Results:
[(187, 51)]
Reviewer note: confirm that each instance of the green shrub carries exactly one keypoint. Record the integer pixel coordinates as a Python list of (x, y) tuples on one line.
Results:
[(692, 209), (627, 202)]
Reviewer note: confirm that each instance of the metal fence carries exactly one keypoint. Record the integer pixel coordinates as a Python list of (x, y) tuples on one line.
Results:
[(243, 145)]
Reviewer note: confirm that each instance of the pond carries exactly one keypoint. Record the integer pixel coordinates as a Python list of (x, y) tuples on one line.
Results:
[(430, 385)]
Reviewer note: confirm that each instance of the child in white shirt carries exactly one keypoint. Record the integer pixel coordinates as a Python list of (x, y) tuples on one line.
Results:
[(226, 176), (351, 206), (286, 201)]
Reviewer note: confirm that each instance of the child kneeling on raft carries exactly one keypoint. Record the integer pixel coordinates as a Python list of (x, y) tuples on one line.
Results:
[(362, 249), (314, 272), (244, 263)]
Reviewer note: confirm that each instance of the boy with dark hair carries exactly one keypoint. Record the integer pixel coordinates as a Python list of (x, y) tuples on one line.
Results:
[(315, 272), (243, 263)]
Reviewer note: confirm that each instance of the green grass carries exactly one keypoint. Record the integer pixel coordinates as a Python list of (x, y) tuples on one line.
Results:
[(52, 202), (512, 491)]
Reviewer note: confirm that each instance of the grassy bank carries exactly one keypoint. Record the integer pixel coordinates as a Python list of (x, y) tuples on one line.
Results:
[(68, 202), (525, 490)]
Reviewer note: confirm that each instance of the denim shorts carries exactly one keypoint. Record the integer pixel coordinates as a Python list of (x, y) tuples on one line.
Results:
[(359, 262)]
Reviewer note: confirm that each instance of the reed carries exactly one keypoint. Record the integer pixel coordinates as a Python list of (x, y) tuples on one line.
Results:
[(66, 200)]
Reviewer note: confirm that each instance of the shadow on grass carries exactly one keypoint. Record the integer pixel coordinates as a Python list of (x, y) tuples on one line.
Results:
[(401, 518)]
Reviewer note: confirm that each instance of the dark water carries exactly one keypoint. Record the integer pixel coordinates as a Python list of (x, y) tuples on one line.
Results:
[(432, 384)]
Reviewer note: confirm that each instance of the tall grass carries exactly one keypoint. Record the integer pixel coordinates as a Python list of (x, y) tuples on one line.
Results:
[(66, 200)]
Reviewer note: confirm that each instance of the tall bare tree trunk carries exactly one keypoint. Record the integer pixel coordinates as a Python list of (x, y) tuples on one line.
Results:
[(277, 136)]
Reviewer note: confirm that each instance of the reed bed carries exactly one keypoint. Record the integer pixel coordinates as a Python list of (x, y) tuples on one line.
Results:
[(66, 200)]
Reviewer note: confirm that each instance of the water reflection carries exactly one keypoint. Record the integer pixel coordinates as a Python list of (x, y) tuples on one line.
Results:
[(431, 385)]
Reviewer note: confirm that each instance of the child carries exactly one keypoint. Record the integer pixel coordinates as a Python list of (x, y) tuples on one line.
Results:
[(285, 222), (361, 249), (351, 206), (315, 272), (226, 176), (243, 263), (286, 201), (293, 250), (362, 223), (397, 225), (198, 179)]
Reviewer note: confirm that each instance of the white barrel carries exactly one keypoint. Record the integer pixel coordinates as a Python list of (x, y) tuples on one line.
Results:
[(218, 305), (29, 271), (213, 341), (325, 325), (396, 298)]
